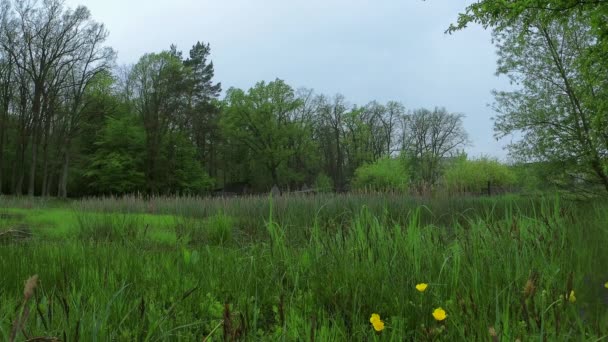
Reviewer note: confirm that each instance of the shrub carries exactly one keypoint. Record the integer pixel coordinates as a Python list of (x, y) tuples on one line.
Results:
[(324, 183), (385, 174), (474, 175)]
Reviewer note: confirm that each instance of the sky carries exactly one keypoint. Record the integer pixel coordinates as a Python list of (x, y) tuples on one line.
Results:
[(367, 50)]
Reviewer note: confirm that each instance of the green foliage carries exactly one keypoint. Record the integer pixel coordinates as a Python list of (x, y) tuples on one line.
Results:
[(555, 52), (385, 174), (324, 183), (116, 166), (465, 175), (260, 120), (183, 172)]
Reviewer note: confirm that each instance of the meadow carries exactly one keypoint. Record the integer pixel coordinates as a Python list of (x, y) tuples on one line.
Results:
[(304, 268)]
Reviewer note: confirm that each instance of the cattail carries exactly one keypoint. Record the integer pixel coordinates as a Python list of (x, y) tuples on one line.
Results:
[(28, 292), (529, 289), (493, 334), (227, 322), (531, 284), (30, 286)]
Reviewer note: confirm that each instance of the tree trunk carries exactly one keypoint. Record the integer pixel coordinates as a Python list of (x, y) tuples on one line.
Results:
[(338, 182), (211, 161), (275, 177), (63, 180), (36, 107), (2, 115), (18, 174), (32, 181), (45, 159)]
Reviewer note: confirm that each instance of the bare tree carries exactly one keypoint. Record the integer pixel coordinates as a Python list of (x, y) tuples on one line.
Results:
[(429, 137), (91, 60), (45, 40), (332, 115)]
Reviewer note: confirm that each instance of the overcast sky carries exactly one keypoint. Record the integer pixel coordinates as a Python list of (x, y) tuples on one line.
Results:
[(365, 49)]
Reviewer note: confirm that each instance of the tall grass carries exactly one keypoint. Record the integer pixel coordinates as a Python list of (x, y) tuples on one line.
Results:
[(498, 267)]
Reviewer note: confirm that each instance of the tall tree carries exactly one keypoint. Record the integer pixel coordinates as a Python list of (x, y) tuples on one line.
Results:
[(558, 107), (331, 133), (91, 60), (6, 95), (260, 119), (203, 108), (429, 138), (45, 39), (160, 83)]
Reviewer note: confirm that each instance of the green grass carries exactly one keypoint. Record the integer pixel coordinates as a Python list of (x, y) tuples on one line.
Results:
[(182, 269)]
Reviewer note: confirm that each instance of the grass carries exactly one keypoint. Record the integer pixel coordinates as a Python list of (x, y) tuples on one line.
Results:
[(307, 268)]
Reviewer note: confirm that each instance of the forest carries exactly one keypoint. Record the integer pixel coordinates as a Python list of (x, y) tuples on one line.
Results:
[(75, 123)]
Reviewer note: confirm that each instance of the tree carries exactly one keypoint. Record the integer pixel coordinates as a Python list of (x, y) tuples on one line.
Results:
[(44, 41), (261, 120), (429, 137), (160, 83), (330, 132), (91, 60), (558, 109), (7, 73), (183, 171), (116, 166), (500, 15), (203, 108)]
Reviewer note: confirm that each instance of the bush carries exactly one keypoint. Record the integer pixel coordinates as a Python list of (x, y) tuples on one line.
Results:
[(324, 183), (473, 175), (385, 174)]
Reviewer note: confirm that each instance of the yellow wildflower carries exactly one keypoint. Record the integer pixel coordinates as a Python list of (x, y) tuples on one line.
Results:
[(439, 314), (376, 322), (378, 325), (571, 297), (422, 287), (606, 285)]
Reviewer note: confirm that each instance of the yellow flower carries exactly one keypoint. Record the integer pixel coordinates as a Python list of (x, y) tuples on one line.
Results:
[(606, 285), (376, 322), (374, 318), (439, 314), (571, 298), (422, 287), (378, 325)]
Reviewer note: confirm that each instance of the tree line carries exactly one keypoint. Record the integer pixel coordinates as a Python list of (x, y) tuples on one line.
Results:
[(73, 122)]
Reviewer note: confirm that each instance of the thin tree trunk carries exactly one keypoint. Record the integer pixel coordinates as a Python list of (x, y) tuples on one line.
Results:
[(63, 180), (36, 108), (338, 182), (45, 157), (2, 120), (32, 181), (19, 170), (212, 166)]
